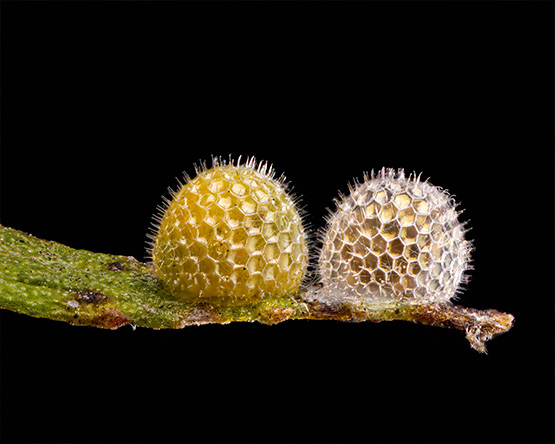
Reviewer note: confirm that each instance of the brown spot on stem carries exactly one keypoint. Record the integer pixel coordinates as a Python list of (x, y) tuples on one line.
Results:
[(480, 325), (204, 314), (111, 318), (275, 315), (104, 317), (115, 266), (91, 297)]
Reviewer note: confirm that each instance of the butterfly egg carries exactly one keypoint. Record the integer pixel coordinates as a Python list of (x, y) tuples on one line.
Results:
[(394, 239), (231, 235)]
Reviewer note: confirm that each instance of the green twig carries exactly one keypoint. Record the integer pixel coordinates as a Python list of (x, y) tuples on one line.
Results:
[(50, 280)]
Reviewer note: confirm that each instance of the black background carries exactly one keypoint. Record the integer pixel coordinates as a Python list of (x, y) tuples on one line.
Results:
[(104, 105)]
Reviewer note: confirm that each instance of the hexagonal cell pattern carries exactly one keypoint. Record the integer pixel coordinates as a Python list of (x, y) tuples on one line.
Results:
[(394, 239), (230, 235)]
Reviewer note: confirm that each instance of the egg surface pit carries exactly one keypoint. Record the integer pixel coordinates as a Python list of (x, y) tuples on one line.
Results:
[(231, 235)]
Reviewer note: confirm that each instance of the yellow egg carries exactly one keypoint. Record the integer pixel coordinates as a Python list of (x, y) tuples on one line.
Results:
[(231, 235)]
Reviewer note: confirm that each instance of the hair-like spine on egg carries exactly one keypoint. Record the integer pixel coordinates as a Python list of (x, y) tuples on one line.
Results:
[(232, 234), (394, 239)]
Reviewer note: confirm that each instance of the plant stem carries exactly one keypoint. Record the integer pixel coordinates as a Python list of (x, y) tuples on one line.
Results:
[(50, 280)]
